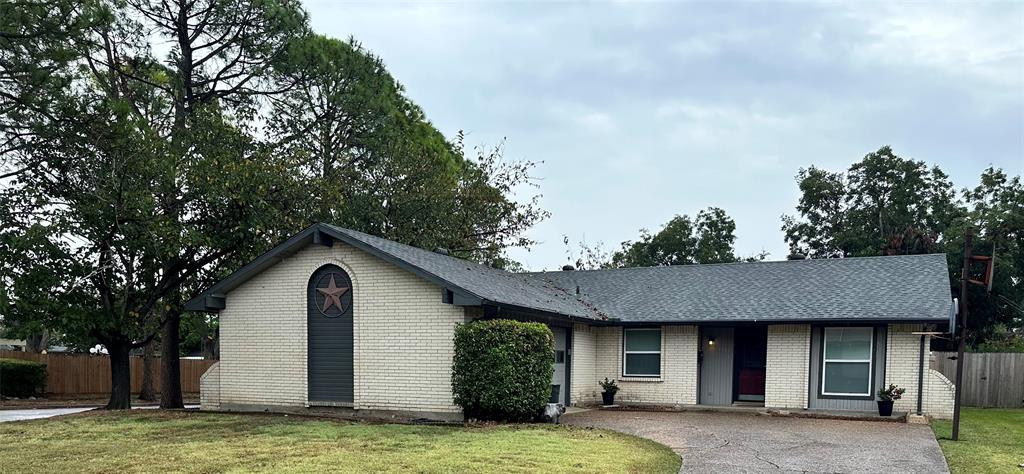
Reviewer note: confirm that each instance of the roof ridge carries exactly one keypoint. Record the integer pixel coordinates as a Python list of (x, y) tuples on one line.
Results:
[(720, 264), (419, 249)]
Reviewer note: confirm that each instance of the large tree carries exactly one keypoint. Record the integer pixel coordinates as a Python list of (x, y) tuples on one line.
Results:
[(707, 239), (995, 209), (150, 178), (882, 205), (181, 138), (381, 167), (889, 205)]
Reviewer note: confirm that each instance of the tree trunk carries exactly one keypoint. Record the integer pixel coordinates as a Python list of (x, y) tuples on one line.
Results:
[(170, 365), (148, 391), (120, 376), (37, 342)]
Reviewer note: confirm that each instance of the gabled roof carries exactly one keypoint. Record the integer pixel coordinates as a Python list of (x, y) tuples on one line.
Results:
[(472, 283), (897, 288), (891, 288)]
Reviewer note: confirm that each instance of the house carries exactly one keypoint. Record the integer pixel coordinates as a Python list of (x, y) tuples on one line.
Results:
[(11, 344), (338, 318)]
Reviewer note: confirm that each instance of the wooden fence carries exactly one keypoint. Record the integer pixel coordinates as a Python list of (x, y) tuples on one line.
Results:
[(991, 379), (82, 374)]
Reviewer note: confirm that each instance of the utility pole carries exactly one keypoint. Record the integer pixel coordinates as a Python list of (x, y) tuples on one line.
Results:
[(962, 333)]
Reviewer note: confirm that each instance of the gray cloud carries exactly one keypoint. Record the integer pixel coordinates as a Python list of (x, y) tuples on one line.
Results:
[(640, 111)]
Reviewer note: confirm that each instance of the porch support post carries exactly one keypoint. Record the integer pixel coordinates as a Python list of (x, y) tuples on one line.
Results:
[(920, 378)]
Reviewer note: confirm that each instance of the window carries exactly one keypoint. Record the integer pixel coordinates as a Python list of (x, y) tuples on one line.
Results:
[(641, 353), (846, 362)]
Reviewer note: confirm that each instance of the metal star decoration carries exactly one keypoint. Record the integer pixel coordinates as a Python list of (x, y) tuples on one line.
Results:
[(332, 295)]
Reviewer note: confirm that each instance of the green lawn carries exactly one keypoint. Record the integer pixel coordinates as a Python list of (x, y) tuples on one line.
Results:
[(991, 440), (150, 441)]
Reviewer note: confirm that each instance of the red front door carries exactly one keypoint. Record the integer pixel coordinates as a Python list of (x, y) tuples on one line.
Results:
[(750, 362)]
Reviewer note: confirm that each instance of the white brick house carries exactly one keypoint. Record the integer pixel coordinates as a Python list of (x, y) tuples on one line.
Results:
[(337, 318)]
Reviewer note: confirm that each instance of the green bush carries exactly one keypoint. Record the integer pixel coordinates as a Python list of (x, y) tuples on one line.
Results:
[(22, 378), (502, 369)]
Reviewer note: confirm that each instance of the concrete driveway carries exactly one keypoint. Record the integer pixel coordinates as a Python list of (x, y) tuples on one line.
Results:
[(37, 413), (742, 442)]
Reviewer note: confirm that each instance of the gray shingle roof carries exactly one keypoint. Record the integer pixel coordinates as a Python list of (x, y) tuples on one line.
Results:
[(488, 283), (898, 288), (907, 287)]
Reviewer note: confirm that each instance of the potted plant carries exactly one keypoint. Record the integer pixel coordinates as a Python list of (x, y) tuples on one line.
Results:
[(886, 397), (609, 389)]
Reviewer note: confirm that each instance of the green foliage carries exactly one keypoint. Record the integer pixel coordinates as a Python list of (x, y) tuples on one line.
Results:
[(502, 369), (1001, 339), (144, 175), (889, 205), (682, 241), (891, 393), (884, 205), (609, 386), (22, 378), (39, 44), (381, 167), (153, 147)]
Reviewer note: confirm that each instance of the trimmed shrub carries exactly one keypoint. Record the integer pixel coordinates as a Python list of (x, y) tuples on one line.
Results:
[(502, 369), (22, 378)]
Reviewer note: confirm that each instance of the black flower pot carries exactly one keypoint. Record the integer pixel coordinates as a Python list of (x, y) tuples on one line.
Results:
[(885, 408), (608, 398)]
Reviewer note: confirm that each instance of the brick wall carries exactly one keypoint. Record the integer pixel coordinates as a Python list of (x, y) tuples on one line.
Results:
[(902, 359), (209, 388), (678, 382), (403, 335), (583, 385), (939, 393), (901, 368), (788, 365)]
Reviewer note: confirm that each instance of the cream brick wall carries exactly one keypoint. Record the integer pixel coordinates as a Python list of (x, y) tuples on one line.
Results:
[(788, 366), (583, 386), (902, 358), (676, 386), (402, 343), (938, 395), (209, 388)]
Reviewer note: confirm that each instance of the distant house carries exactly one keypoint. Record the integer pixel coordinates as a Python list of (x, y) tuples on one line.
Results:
[(339, 318), (11, 344)]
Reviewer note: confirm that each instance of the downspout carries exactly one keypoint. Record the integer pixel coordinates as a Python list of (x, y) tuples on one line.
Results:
[(920, 378)]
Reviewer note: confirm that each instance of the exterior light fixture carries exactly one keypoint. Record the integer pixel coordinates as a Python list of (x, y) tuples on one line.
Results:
[(711, 341)]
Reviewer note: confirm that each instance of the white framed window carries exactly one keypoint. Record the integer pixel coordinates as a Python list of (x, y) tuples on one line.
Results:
[(846, 364), (641, 352)]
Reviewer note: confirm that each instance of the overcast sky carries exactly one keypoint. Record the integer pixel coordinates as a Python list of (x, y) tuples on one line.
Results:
[(641, 110)]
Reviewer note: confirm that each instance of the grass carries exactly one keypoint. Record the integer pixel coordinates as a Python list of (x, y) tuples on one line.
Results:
[(991, 440), (149, 441)]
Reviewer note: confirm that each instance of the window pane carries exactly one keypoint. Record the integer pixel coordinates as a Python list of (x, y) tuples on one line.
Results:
[(848, 343), (847, 377), (559, 357), (643, 364), (647, 340)]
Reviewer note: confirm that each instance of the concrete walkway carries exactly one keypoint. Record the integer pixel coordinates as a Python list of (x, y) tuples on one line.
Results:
[(32, 414), (37, 413), (750, 443)]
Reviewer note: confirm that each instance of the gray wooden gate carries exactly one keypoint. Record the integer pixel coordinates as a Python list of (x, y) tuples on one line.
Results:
[(991, 379)]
